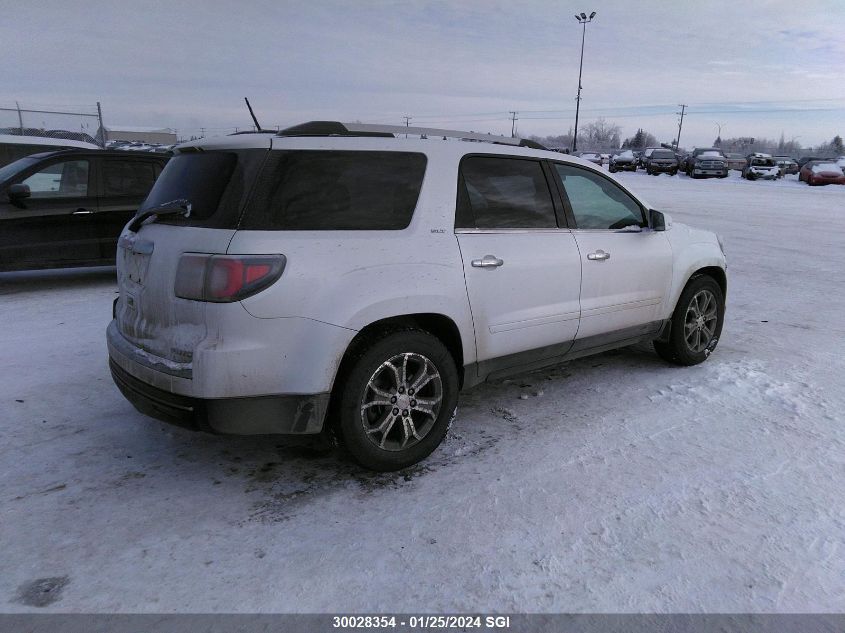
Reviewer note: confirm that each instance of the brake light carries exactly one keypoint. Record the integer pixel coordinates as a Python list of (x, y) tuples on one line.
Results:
[(226, 278)]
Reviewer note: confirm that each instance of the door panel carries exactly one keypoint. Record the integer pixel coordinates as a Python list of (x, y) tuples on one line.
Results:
[(523, 273), (531, 299), (54, 226), (626, 267), (626, 289)]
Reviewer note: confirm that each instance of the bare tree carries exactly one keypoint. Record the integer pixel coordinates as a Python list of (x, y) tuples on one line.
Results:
[(601, 134)]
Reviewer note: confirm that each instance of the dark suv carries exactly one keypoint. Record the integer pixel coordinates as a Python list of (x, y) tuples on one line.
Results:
[(661, 161), (67, 208)]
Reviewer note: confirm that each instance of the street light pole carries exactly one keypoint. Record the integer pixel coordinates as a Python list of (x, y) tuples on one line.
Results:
[(582, 20)]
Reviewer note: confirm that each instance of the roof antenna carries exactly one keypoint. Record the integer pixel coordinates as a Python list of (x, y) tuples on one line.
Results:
[(252, 114)]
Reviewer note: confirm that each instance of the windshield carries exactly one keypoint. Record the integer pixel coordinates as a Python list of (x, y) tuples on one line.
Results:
[(9, 171), (826, 167), (710, 154), (662, 153)]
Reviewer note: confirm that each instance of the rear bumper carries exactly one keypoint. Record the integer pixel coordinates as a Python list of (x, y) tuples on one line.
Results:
[(264, 415)]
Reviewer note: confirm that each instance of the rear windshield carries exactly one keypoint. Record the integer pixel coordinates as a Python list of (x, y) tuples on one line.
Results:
[(303, 190), (213, 182)]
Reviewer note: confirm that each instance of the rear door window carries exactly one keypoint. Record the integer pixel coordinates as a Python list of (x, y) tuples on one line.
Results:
[(127, 178), (304, 190), (503, 193)]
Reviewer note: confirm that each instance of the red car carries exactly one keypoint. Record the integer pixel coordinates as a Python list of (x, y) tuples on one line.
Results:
[(822, 173)]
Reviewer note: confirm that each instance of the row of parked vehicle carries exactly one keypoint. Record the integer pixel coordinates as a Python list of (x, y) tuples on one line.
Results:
[(707, 162)]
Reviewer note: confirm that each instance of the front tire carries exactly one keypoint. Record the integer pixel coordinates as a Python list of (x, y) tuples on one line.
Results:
[(397, 400), (696, 323)]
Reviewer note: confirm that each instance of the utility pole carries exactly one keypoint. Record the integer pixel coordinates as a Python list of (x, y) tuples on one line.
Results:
[(102, 128), (681, 124), (202, 132), (20, 116), (513, 122), (582, 19), (407, 122)]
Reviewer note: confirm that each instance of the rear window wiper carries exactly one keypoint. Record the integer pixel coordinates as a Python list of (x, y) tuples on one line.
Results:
[(180, 206)]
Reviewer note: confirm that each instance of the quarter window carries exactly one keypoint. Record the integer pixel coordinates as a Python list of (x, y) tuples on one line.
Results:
[(503, 193), (596, 202), (336, 190), (65, 179)]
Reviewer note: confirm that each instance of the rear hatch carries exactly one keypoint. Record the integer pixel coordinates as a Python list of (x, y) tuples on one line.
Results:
[(148, 314)]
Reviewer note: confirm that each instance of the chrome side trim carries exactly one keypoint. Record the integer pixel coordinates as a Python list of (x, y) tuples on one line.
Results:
[(617, 307), (508, 231), (516, 325)]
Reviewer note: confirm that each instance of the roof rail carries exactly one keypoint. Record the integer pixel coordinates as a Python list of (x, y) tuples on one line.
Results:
[(335, 128)]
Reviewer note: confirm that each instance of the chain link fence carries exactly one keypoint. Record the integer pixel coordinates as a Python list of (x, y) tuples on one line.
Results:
[(71, 123)]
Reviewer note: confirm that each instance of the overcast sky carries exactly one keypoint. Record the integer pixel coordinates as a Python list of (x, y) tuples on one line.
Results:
[(758, 68)]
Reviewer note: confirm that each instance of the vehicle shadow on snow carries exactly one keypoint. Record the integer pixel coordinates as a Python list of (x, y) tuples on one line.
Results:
[(283, 478), (25, 281)]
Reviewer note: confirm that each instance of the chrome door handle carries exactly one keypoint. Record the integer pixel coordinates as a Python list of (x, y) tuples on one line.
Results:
[(82, 211), (598, 256), (488, 261)]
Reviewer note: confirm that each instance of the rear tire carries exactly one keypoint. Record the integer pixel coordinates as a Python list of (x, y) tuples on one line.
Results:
[(397, 400), (696, 323)]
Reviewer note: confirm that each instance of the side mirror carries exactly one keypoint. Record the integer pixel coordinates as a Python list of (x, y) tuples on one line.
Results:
[(656, 220), (18, 192)]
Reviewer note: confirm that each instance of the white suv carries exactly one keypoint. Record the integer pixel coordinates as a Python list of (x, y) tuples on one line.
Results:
[(339, 280)]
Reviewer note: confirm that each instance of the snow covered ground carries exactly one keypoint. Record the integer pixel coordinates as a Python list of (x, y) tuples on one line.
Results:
[(619, 484)]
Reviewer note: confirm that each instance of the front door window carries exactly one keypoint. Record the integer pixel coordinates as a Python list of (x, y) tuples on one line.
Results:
[(65, 179)]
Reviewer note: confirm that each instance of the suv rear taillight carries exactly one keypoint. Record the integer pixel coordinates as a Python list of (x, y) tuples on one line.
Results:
[(226, 278)]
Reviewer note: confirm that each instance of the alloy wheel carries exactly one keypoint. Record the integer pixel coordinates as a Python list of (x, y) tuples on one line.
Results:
[(401, 401), (700, 321)]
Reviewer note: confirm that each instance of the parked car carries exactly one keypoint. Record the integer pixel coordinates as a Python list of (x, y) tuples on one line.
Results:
[(736, 161), (645, 155), (622, 161), (248, 316), (786, 165), (806, 159), (67, 208), (13, 147), (760, 167), (707, 162), (661, 161), (822, 172), (593, 157)]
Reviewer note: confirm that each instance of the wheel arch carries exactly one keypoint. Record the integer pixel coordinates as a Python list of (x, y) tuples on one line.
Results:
[(716, 272), (438, 325)]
